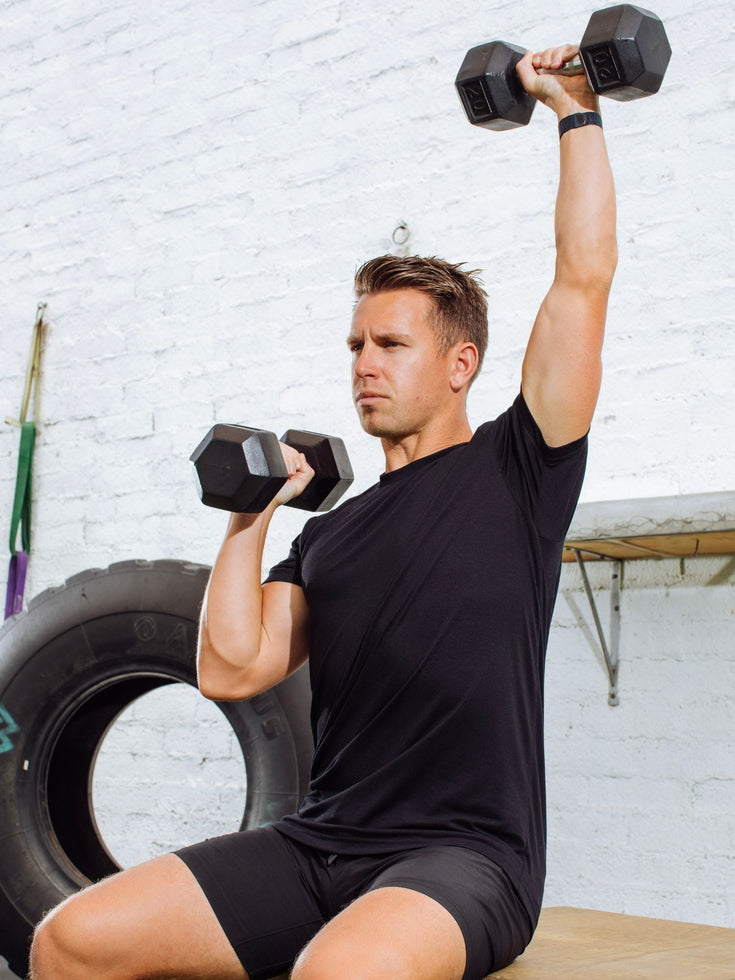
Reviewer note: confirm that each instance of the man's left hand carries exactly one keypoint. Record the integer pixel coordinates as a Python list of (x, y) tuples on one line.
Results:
[(564, 94)]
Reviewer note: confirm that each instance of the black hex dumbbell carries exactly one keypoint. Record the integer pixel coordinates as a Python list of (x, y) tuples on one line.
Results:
[(624, 53), (242, 469)]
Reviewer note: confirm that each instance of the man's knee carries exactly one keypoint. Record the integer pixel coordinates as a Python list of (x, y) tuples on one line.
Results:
[(60, 949), (319, 965), (330, 960), (388, 932)]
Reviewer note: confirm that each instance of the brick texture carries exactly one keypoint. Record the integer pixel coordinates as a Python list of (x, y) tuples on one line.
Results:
[(189, 188)]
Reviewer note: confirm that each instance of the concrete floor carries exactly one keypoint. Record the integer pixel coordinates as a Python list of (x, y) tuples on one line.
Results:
[(5, 973)]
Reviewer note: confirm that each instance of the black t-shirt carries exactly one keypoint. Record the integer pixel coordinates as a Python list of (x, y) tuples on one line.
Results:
[(430, 599)]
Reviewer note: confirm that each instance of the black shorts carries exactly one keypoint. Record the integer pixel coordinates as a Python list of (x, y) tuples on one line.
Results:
[(272, 895)]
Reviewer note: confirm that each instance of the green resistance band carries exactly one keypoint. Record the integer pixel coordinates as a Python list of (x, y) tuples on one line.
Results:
[(22, 502)]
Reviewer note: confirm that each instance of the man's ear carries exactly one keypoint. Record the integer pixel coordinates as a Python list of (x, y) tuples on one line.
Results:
[(464, 365)]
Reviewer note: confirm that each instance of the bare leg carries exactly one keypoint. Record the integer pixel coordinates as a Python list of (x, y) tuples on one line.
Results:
[(149, 922), (390, 933)]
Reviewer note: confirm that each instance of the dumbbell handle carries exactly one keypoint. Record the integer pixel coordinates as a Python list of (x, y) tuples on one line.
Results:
[(573, 67)]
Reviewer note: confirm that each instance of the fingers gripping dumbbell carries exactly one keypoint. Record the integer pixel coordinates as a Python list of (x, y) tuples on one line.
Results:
[(242, 469), (624, 53)]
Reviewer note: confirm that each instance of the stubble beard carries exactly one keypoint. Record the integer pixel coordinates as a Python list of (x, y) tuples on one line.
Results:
[(372, 424), (392, 429)]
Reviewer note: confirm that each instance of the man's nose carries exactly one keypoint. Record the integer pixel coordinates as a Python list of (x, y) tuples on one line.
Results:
[(366, 363)]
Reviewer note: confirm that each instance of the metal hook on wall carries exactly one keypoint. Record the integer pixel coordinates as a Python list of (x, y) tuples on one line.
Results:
[(401, 236)]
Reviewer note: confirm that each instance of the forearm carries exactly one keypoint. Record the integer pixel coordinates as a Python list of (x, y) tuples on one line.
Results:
[(586, 249), (585, 206)]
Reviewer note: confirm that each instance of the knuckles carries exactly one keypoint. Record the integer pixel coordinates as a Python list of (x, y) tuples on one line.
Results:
[(296, 462)]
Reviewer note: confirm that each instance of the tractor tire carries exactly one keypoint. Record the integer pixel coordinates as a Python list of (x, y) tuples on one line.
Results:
[(69, 666)]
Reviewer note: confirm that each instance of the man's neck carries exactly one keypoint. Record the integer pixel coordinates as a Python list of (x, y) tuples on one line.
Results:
[(407, 449)]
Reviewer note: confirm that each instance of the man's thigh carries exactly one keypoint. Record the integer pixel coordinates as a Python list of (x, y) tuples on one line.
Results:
[(478, 895), (388, 932), (230, 908), (262, 893), (151, 920), (441, 912)]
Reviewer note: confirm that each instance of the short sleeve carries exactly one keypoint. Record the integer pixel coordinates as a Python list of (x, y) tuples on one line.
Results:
[(288, 570), (544, 480)]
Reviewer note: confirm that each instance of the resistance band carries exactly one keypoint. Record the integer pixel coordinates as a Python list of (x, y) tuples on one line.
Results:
[(21, 518)]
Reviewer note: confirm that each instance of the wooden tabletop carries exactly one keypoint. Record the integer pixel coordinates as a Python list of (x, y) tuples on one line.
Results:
[(582, 944), (684, 526)]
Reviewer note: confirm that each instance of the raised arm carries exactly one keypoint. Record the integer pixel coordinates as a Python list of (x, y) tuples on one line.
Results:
[(251, 636), (562, 368)]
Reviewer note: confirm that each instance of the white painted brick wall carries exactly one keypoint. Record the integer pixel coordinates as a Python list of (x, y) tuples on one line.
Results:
[(190, 187), (641, 796)]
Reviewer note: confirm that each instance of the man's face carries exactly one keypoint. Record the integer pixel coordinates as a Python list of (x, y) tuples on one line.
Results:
[(399, 380)]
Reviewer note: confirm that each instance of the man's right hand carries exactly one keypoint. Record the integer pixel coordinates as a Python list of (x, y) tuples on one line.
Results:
[(299, 475)]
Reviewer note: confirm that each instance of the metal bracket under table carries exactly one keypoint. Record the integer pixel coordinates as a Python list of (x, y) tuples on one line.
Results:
[(616, 531), (610, 652)]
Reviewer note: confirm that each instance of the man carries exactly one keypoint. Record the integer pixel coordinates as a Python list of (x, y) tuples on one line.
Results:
[(423, 606)]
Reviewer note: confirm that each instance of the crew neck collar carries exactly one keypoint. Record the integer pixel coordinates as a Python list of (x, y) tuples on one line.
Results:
[(410, 468)]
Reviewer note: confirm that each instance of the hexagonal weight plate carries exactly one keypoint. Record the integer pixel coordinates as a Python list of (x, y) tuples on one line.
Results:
[(238, 469), (625, 52), (327, 455), (489, 87)]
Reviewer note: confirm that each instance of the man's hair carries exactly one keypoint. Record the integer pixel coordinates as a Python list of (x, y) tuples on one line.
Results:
[(460, 302)]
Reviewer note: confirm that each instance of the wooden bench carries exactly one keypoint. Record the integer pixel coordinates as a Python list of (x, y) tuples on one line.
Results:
[(581, 944)]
